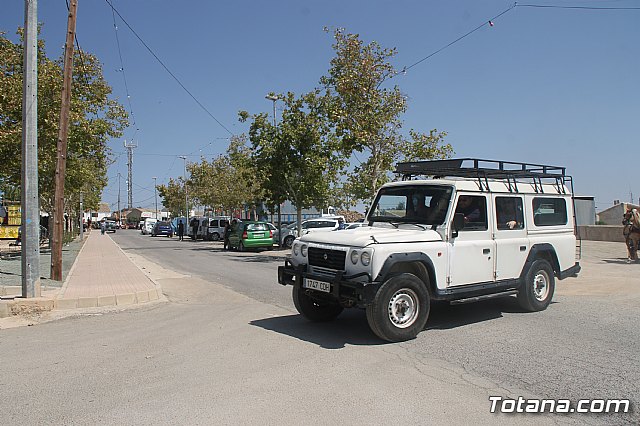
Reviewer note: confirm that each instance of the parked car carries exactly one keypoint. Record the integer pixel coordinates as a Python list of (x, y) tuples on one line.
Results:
[(162, 228), (110, 225), (355, 225), (212, 228), (319, 224), (147, 225), (246, 235)]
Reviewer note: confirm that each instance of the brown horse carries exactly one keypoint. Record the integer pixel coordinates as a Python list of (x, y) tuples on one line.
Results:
[(631, 222)]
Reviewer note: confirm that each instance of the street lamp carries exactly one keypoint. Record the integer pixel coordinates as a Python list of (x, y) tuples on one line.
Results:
[(275, 98), (155, 191), (186, 197)]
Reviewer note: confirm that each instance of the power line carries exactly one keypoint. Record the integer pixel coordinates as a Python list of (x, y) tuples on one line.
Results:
[(551, 6), (124, 75), (513, 6), (487, 22), (166, 68)]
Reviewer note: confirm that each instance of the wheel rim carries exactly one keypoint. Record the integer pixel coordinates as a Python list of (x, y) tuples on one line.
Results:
[(541, 286), (403, 308)]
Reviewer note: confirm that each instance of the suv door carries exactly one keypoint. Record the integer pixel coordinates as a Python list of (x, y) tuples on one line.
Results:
[(512, 242), (472, 252)]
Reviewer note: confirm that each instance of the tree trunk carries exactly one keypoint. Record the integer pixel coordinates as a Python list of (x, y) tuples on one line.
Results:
[(299, 219)]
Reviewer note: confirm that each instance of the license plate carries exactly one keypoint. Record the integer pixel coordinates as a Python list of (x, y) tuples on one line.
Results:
[(317, 285)]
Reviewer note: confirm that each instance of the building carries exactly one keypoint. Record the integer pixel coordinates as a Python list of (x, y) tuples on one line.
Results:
[(613, 215), (96, 216)]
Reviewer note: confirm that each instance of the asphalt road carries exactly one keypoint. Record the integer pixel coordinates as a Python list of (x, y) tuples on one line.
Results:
[(239, 353)]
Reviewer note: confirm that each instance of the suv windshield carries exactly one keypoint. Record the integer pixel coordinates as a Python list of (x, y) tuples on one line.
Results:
[(423, 204)]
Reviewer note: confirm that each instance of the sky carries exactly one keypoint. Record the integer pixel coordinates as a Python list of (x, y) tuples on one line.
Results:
[(555, 86)]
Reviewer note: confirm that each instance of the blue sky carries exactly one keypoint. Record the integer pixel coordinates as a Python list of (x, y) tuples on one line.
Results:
[(543, 85)]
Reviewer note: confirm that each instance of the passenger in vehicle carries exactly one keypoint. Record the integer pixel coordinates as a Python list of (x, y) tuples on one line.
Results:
[(506, 214), (468, 208)]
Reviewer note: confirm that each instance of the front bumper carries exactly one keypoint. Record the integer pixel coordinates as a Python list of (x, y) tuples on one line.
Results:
[(344, 288)]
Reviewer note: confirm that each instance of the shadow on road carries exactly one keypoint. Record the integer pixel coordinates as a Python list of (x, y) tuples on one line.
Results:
[(619, 261), (351, 326)]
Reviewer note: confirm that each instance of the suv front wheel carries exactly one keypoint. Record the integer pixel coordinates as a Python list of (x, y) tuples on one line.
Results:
[(538, 286), (312, 309), (400, 309)]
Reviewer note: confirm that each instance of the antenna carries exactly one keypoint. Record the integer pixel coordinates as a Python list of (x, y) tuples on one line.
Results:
[(130, 146)]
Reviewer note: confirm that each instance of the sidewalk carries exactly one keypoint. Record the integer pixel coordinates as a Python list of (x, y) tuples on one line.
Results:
[(102, 275)]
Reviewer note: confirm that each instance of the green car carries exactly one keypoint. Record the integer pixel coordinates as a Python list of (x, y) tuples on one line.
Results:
[(248, 235)]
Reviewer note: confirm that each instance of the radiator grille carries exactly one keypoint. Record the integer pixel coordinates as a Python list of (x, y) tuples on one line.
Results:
[(332, 259)]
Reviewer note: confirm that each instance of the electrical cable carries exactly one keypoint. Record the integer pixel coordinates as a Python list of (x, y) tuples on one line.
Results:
[(167, 69), (487, 22), (122, 69)]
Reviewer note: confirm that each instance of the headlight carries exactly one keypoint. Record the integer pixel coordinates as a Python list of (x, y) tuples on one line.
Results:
[(365, 258), (354, 257), (303, 250), (296, 248)]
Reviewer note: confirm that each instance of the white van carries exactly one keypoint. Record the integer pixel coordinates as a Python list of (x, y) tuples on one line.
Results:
[(214, 229), (148, 225)]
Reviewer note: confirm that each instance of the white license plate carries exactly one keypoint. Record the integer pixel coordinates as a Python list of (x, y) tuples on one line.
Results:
[(317, 285)]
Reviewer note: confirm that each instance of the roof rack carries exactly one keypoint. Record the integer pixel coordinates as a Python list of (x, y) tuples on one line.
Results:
[(482, 170)]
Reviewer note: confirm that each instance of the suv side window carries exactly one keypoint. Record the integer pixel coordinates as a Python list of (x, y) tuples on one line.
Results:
[(474, 209), (549, 211), (326, 224), (509, 213)]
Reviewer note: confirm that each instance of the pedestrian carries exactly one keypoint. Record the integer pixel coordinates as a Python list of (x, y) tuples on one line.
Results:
[(227, 231), (180, 230), (103, 227)]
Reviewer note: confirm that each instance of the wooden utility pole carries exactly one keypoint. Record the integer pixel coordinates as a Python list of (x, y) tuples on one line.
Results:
[(61, 164)]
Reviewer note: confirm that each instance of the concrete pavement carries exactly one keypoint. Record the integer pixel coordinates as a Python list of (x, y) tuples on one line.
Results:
[(101, 276)]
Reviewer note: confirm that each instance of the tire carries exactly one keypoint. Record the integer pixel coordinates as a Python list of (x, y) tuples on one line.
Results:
[(312, 309), (400, 308), (536, 291), (215, 236), (288, 241)]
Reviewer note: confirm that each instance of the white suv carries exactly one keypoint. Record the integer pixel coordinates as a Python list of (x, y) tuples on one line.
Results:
[(492, 229), (320, 224)]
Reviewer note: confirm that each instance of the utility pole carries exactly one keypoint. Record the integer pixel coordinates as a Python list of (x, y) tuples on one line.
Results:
[(119, 220), (275, 98), (186, 195), (30, 209), (81, 218), (130, 146), (61, 164), (155, 190)]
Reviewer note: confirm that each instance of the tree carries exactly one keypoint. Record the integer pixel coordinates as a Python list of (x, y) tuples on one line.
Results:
[(227, 182), (367, 114), (94, 119), (298, 159), (173, 196)]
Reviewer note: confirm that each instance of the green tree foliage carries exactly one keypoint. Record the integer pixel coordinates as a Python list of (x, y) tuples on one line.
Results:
[(173, 196), (94, 119), (228, 182), (296, 160), (367, 114)]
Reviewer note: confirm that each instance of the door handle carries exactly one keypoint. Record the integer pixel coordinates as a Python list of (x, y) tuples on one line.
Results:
[(523, 248), (486, 251)]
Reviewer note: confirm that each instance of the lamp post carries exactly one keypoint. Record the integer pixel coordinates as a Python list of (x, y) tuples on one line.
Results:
[(155, 192), (186, 196), (275, 98)]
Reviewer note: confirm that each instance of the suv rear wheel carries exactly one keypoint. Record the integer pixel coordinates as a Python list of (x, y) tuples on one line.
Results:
[(537, 289), (312, 309), (400, 309)]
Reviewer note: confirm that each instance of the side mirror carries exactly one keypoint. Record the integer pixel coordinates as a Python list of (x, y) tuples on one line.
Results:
[(458, 224)]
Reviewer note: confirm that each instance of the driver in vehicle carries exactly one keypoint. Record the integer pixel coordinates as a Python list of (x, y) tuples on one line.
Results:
[(468, 208)]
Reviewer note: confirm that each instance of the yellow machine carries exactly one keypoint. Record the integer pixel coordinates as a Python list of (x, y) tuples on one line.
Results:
[(11, 220)]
